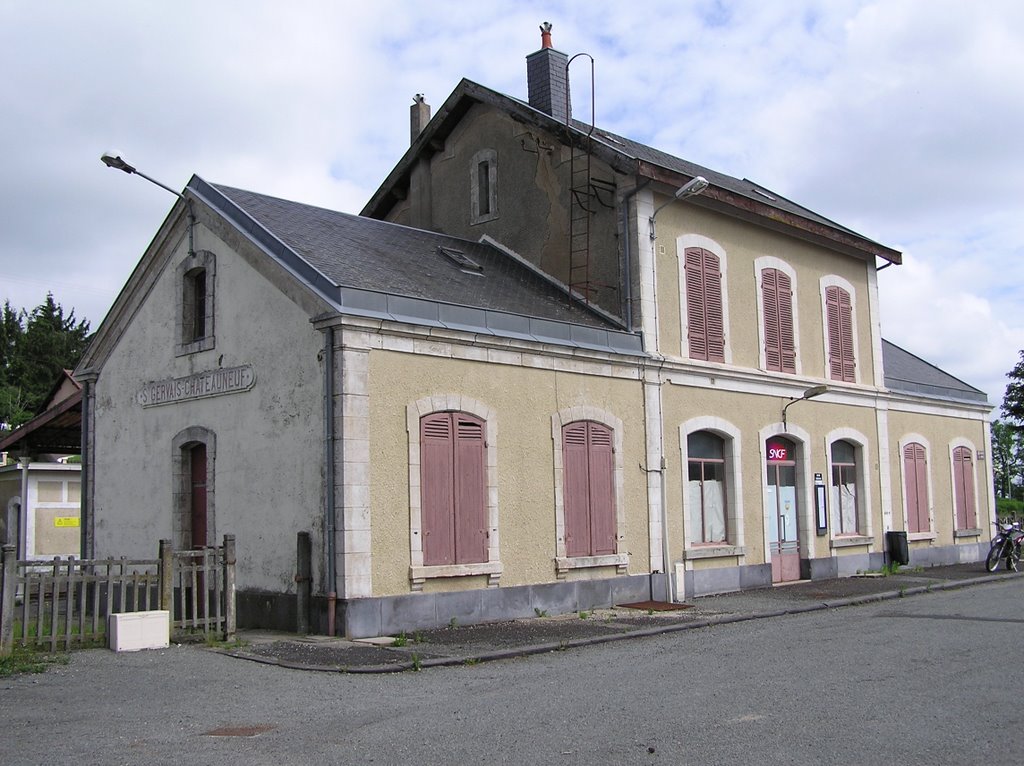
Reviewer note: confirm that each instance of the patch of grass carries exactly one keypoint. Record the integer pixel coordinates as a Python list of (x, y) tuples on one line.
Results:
[(400, 640), (214, 641), (417, 637), (26, 660), (471, 661), (416, 665), (453, 623), (583, 615), (540, 612)]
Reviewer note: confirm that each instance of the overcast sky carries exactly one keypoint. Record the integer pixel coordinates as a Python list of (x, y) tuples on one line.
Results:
[(901, 119)]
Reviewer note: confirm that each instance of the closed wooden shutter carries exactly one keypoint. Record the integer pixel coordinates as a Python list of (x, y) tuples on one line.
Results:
[(589, 487), (437, 496), (453, 489), (915, 471), (704, 308), (601, 466), (576, 486), (777, 302), (839, 310), (471, 492), (963, 475)]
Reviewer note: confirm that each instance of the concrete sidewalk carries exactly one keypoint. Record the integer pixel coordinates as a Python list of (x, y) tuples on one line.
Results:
[(469, 644)]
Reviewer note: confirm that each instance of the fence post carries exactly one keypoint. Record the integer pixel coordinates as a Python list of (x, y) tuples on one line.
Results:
[(229, 588), (8, 585), (303, 581), (167, 577)]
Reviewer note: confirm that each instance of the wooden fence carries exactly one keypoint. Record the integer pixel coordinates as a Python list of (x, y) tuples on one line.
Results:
[(64, 603)]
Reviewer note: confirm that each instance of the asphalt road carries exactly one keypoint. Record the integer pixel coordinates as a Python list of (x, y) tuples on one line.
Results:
[(932, 679)]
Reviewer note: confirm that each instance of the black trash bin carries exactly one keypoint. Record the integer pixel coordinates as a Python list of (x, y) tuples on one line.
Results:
[(899, 552)]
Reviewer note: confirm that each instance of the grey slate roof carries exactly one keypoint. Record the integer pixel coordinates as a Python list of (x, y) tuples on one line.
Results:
[(375, 268), (627, 156), (910, 374)]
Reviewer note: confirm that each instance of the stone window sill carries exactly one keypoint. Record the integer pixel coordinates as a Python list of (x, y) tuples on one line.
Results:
[(714, 552), (967, 533), (492, 569), (618, 560), (849, 541), (918, 536)]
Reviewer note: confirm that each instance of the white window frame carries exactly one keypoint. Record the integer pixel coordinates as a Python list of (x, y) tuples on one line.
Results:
[(683, 242), (732, 448), (862, 457), (906, 441), (619, 559), (418, 571), (771, 262)]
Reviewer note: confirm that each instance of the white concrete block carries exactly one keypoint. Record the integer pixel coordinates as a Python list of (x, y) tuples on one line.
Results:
[(132, 631)]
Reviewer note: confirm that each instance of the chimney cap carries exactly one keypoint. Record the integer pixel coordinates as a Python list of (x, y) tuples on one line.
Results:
[(545, 35)]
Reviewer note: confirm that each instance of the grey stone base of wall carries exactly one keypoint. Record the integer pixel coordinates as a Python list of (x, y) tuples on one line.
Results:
[(940, 555), (367, 617)]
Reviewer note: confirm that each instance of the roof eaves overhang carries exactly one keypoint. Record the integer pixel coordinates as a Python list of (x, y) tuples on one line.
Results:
[(771, 217), (39, 432)]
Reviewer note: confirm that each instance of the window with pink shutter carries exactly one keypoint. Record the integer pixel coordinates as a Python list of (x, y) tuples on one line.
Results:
[(915, 474), (453, 489), (588, 484), (704, 309), (963, 478), (777, 305), (839, 310)]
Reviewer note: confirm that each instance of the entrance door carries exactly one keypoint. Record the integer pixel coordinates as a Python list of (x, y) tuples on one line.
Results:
[(781, 511)]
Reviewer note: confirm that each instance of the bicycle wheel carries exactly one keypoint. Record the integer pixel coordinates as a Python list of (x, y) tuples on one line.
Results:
[(994, 554)]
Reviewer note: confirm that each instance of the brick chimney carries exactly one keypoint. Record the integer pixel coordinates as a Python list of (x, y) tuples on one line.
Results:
[(546, 78), (419, 116)]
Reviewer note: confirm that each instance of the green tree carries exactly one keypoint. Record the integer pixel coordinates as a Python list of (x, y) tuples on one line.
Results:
[(1007, 459), (35, 347), (1013, 399)]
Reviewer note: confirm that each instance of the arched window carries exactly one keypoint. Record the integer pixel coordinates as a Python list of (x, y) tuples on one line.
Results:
[(777, 313), (845, 500), (963, 488), (915, 478), (453, 489), (842, 364), (704, 305), (196, 280), (707, 487), (589, 489)]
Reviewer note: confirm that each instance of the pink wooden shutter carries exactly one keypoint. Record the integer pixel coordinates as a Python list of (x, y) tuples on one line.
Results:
[(704, 311), (602, 490), (787, 345), (713, 304), (839, 309), (915, 469), (696, 312), (437, 496), (963, 474), (576, 487), (471, 491), (770, 310)]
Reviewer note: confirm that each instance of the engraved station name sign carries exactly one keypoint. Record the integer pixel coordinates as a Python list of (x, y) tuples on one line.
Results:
[(229, 380)]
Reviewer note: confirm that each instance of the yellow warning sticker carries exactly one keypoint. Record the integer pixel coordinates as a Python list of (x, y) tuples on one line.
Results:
[(66, 521)]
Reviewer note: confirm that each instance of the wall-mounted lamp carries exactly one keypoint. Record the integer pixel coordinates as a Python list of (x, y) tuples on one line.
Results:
[(113, 160), (692, 188), (810, 393)]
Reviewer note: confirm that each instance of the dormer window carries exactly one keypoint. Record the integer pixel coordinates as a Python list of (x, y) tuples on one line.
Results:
[(195, 303), (484, 186)]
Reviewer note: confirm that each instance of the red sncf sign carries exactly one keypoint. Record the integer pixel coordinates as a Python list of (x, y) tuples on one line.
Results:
[(777, 451)]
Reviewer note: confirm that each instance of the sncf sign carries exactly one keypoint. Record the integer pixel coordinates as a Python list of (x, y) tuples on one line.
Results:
[(778, 451)]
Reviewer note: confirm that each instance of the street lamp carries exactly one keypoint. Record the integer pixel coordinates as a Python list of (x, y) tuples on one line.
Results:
[(114, 160), (810, 393), (691, 188)]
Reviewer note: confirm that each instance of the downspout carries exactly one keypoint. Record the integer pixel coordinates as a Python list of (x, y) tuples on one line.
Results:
[(626, 263), (84, 506), (330, 521), (24, 461)]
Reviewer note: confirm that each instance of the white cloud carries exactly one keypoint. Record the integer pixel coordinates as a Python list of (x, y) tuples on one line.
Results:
[(901, 119)]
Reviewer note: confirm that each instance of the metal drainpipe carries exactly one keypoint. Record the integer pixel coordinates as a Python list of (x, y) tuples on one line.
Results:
[(84, 506), (331, 522), (628, 280), (24, 462)]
